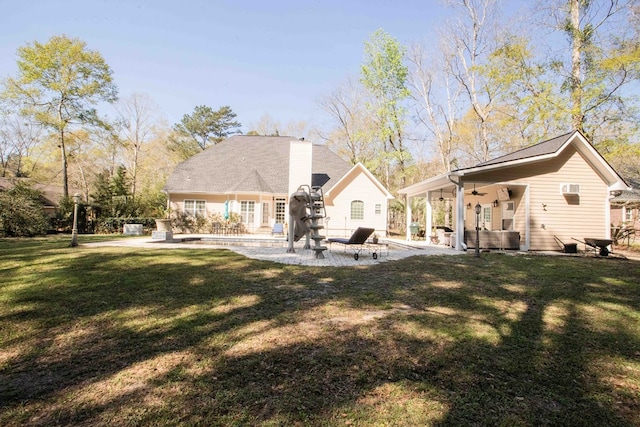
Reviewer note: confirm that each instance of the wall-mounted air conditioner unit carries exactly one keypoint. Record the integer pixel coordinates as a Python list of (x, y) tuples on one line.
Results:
[(570, 188)]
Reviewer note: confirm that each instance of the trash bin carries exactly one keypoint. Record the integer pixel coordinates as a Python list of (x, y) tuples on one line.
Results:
[(414, 227)]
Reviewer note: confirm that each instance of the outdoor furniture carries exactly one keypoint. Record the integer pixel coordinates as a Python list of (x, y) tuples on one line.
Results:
[(499, 239), (234, 229), (414, 228), (443, 235), (357, 241), (227, 229), (567, 248), (216, 228), (278, 228)]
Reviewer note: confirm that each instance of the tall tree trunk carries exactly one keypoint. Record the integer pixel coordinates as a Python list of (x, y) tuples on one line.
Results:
[(136, 151), (63, 154), (576, 79)]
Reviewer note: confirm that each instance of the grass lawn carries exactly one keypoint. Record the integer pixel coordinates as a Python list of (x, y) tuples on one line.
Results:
[(130, 336)]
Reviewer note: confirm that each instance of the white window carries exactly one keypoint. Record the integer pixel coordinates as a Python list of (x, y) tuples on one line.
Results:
[(265, 213), (357, 209), (628, 214), (507, 215), (247, 211), (280, 210), (378, 208), (195, 207)]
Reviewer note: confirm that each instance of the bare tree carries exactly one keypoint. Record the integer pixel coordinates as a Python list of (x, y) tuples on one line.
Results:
[(17, 138), (137, 116), (471, 39), (436, 96), (350, 134)]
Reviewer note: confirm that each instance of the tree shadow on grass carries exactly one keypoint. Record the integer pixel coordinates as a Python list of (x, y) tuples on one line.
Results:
[(210, 337)]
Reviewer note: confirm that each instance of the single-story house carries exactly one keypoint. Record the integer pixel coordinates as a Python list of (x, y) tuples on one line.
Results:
[(625, 209), (50, 195), (254, 177), (558, 189)]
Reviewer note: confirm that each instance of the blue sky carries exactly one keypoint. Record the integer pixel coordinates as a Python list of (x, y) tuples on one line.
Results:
[(275, 57)]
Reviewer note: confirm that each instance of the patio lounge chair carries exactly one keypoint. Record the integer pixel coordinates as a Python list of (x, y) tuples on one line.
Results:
[(278, 228), (357, 240)]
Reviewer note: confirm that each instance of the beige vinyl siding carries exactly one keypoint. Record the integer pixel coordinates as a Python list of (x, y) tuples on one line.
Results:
[(552, 213), (567, 217), (357, 187), (214, 205)]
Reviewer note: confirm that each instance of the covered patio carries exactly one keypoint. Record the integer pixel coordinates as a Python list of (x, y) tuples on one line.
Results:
[(556, 189), (451, 202)]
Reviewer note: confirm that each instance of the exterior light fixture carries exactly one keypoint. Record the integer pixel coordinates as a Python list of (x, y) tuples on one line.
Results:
[(494, 203), (468, 205), (74, 231)]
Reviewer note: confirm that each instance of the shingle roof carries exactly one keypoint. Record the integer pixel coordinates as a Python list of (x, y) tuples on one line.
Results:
[(245, 163), (627, 197), (51, 194), (253, 182), (543, 148)]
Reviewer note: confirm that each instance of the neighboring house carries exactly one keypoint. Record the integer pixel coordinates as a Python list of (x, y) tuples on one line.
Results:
[(50, 194), (254, 176), (557, 188), (625, 209)]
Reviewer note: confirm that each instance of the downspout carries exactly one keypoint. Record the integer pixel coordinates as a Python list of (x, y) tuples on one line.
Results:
[(408, 218)]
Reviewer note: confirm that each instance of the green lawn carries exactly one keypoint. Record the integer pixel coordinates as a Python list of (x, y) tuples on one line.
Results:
[(130, 336)]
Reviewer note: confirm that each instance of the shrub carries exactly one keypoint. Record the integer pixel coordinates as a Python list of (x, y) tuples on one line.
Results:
[(182, 222), (22, 212)]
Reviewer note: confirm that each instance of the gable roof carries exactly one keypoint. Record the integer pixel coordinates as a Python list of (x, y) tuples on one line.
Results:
[(544, 148), (50, 195), (250, 164), (360, 168), (535, 153), (550, 149)]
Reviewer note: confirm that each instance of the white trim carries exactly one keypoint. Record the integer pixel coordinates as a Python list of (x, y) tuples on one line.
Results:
[(194, 212), (607, 215), (368, 174), (428, 219), (527, 218), (460, 211), (408, 221), (488, 206)]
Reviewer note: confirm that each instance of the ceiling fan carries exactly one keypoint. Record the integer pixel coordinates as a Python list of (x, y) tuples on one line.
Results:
[(475, 192)]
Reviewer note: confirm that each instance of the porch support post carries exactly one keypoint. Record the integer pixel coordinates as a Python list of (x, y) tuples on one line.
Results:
[(408, 219), (527, 214), (460, 207), (428, 219)]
